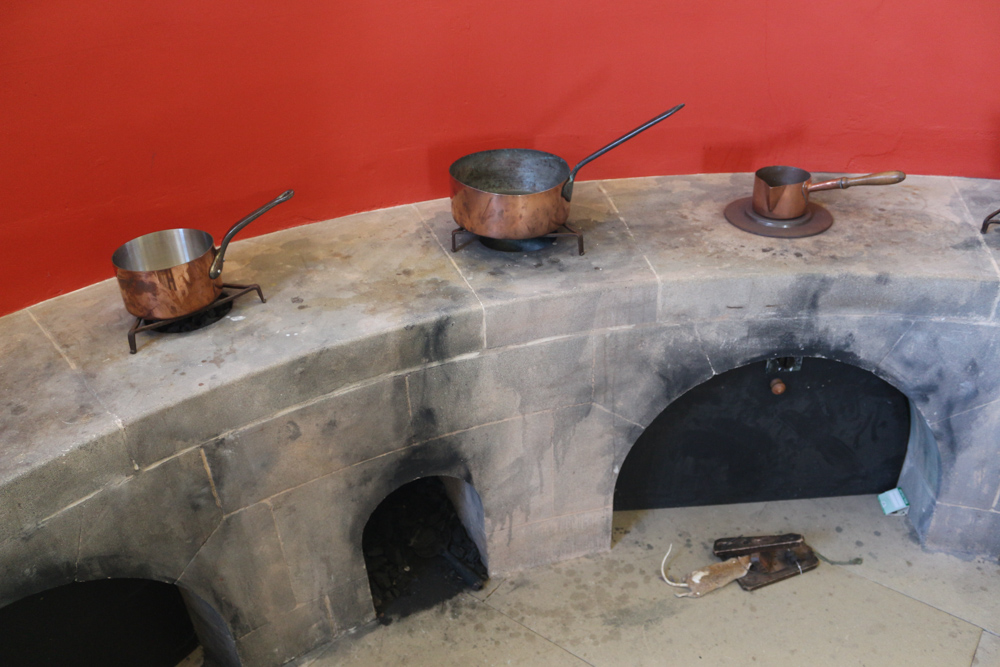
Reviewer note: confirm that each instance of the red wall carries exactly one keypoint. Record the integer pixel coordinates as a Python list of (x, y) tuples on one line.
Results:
[(119, 118)]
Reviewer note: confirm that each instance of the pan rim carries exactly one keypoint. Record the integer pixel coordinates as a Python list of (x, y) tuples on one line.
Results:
[(128, 256), (526, 153)]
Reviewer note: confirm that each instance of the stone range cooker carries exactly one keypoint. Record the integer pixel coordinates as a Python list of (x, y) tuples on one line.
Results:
[(242, 461)]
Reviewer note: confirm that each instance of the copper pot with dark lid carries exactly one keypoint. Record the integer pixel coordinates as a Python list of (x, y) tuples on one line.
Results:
[(176, 272)]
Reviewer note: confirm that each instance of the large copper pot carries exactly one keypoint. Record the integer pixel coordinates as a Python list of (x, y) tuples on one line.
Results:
[(519, 193), (175, 272)]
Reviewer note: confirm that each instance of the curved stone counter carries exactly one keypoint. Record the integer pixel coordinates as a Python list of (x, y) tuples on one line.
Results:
[(242, 461)]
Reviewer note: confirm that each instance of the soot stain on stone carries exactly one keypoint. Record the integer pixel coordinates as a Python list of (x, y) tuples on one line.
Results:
[(39, 578), (435, 343), (330, 428), (435, 459), (882, 279), (808, 341), (201, 498), (424, 423), (18, 410), (967, 244), (215, 453), (116, 565), (293, 430)]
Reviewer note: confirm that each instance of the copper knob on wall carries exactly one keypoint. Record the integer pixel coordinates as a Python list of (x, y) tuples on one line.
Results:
[(777, 387)]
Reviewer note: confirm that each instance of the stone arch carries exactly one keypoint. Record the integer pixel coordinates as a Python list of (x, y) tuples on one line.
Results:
[(674, 359), (412, 521), (167, 604), (788, 455)]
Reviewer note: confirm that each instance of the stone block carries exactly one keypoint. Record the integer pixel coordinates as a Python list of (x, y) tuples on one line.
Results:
[(351, 606), (321, 523), (875, 259), (640, 371), (555, 291), (495, 386), (241, 572), (511, 465), (977, 198), (221, 406), (151, 525), (580, 310), (59, 442), (624, 434), (970, 466), (334, 317), (583, 452), (40, 559), (287, 636), (920, 496), (947, 368), (964, 530), (859, 341), (335, 432), (548, 541)]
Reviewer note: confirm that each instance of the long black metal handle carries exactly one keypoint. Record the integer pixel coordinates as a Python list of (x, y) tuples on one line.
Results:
[(216, 267), (567, 191), (990, 221)]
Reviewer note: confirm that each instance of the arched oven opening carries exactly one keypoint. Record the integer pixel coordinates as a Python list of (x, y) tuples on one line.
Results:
[(778, 429), (424, 544), (111, 622)]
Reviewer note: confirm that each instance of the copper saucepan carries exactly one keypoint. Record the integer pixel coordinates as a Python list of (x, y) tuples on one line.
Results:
[(175, 272), (782, 193), (519, 193)]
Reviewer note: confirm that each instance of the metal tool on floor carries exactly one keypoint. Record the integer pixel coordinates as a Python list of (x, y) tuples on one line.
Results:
[(773, 558)]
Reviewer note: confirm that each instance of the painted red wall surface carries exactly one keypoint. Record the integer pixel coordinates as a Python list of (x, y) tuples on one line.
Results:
[(119, 118)]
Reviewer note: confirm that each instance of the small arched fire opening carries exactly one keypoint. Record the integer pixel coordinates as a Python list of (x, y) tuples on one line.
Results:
[(111, 622), (777, 429), (423, 544)]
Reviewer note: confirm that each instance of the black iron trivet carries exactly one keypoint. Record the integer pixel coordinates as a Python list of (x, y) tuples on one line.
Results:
[(519, 245), (190, 322)]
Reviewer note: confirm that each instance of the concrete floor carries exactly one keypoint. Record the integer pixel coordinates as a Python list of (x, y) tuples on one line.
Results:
[(899, 606)]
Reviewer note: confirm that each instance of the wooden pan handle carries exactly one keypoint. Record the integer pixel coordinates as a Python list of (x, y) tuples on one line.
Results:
[(881, 178)]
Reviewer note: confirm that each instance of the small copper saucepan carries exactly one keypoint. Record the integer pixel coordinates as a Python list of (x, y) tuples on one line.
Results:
[(175, 272), (782, 193)]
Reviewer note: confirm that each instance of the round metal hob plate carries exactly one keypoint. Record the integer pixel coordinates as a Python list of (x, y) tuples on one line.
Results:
[(815, 221)]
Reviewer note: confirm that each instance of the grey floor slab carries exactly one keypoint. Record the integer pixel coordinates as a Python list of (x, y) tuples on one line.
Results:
[(899, 605), (988, 654), (462, 631), (856, 528)]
